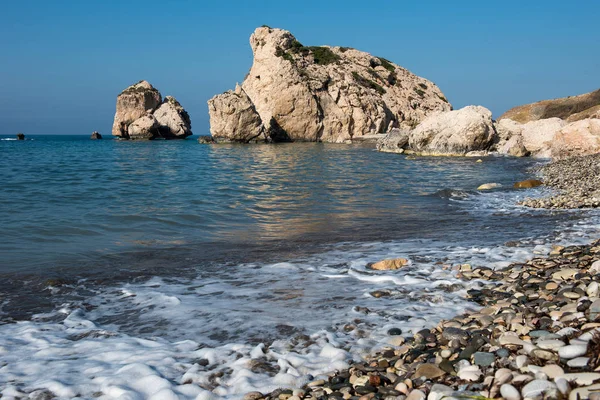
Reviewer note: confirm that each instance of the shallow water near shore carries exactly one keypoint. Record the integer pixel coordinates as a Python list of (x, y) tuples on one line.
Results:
[(157, 268)]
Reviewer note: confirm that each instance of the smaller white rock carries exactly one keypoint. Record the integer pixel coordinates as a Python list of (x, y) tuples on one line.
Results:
[(521, 361), (595, 267), (572, 351), (578, 362), (563, 385), (582, 378), (592, 289), (503, 375), (539, 389), (550, 344), (553, 371), (509, 392), (567, 331), (416, 395), (471, 373), (439, 392)]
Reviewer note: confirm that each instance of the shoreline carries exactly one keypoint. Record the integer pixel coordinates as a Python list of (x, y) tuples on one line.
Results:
[(533, 338)]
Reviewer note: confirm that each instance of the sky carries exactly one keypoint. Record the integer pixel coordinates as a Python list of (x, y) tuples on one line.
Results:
[(62, 63)]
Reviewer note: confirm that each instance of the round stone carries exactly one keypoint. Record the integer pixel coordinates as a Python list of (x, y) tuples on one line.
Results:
[(572, 351), (395, 332), (509, 392), (540, 389), (483, 359), (578, 362)]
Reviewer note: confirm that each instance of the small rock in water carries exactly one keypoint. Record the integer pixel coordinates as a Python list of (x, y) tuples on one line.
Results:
[(96, 135), (489, 186), (253, 396), (389, 265), (395, 332)]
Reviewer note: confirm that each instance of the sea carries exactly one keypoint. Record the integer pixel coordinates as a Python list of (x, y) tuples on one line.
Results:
[(175, 270)]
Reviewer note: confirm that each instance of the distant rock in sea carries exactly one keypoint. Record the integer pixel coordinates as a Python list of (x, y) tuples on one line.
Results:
[(20, 136), (96, 136), (142, 114), (330, 94)]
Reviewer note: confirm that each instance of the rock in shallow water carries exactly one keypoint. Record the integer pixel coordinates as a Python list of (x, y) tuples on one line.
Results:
[(389, 265)]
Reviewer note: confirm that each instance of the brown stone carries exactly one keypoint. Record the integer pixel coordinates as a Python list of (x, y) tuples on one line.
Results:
[(428, 371), (528, 183), (389, 264)]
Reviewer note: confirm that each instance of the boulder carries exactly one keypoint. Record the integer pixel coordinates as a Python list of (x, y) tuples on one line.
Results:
[(564, 108), (320, 93), (20, 136), (139, 102), (454, 132), (96, 136), (145, 127), (577, 139), (534, 137), (234, 118), (394, 141), (134, 102), (173, 121)]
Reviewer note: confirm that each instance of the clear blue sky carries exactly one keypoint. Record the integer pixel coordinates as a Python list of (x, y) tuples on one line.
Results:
[(62, 63)]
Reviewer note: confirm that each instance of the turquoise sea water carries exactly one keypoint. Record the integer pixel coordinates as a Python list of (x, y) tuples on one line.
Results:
[(68, 199), (175, 242)]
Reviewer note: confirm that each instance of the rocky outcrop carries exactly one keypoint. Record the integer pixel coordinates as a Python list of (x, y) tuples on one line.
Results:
[(142, 114), (233, 117), (20, 136), (393, 142), (330, 94), (145, 127), (96, 135), (454, 132), (577, 139), (534, 137), (569, 108), (173, 121)]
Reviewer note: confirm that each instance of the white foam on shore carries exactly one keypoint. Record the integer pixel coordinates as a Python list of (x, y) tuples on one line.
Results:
[(252, 327)]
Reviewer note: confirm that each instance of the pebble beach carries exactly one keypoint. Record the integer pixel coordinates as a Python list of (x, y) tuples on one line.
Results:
[(536, 335)]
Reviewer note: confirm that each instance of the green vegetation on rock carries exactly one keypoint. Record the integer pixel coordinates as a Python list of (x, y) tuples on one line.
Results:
[(387, 64), (321, 55), (367, 83), (442, 98), (419, 92)]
